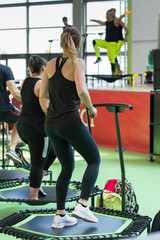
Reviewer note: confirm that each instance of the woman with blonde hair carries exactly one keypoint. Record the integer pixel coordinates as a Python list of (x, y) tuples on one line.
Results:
[(63, 83)]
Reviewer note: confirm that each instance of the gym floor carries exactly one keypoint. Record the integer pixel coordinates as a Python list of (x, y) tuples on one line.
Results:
[(143, 175)]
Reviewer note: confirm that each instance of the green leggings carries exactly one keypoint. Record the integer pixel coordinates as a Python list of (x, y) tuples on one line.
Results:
[(110, 46), (119, 45)]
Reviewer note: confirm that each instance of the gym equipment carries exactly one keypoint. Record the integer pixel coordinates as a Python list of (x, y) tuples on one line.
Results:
[(154, 125), (9, 172), (156, 223), (115, 108), (112, 78), (16, 171), (18, 191), (36, 225), (156, 64)]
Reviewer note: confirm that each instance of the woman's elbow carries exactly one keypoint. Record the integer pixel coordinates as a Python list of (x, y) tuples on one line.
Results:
[(41, 94), (82, 92)]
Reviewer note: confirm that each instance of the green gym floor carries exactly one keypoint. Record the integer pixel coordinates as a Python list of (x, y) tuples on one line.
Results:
[(143, 175)]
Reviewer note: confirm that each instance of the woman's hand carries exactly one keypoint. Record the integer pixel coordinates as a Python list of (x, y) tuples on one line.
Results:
[(92, 112)]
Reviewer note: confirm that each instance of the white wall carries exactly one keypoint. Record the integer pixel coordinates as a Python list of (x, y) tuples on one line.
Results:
[(145, 14)]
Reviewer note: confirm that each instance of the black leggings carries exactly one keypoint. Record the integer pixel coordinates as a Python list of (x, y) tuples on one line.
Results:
[(80, 138), (41, 151)]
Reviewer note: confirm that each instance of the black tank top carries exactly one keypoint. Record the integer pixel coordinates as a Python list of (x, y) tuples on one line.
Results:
[(111, 32), (30, 102), (120, 36), (64, 103)]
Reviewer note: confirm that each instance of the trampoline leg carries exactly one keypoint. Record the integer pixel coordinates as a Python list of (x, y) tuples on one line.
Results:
[(121, 158), (92, 201), (88, 121), (50, 175), (101, 200), (3, 160)]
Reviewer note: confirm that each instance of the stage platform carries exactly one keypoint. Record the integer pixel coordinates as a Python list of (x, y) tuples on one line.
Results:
[(134, 125)]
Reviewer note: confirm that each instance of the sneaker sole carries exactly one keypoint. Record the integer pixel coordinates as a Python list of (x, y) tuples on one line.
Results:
[(66, 225), (13, 159), (84, 219)]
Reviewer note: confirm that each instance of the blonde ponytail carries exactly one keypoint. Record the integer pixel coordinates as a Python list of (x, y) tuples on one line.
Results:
[(70, 39)]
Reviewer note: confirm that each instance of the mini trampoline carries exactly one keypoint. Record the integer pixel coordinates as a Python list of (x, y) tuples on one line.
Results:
[(112, 78), (18, 191), (108, 78), (36, 225), (17, 173), (12, 173)]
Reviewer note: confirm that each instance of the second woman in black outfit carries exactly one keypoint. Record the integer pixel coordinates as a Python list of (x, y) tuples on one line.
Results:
[(31, 125)]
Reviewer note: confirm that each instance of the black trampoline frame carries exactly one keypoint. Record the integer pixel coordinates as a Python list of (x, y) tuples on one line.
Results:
[(76, 184), (135, 228)]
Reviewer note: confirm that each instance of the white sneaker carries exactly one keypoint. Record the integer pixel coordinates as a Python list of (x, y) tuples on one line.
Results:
[(84, 213), (61, 222), (13, 156)]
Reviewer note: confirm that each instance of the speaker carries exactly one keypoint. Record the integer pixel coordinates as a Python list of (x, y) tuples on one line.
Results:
[(156, 58), (156, 82), (156, 64), (155, 124)]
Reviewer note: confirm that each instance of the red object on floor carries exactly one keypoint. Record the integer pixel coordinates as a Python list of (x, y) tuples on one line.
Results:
[(110, 185)]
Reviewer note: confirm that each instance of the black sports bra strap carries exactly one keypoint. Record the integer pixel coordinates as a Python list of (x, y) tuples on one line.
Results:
[(63, 62), (57, 63)]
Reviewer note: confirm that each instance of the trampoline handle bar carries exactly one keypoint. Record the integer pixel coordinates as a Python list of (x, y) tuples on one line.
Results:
[(119, 105)]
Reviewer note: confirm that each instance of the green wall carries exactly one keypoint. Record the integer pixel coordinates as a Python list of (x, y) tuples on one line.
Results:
[(129, 70)]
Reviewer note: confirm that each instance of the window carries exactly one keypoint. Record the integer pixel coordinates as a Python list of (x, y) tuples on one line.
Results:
[(12, 1), (19, 37), (39, 40), (45, 23), (12, 30), (48, 28), (14, 17), (49, 15), (13, 41), (18, 67)]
